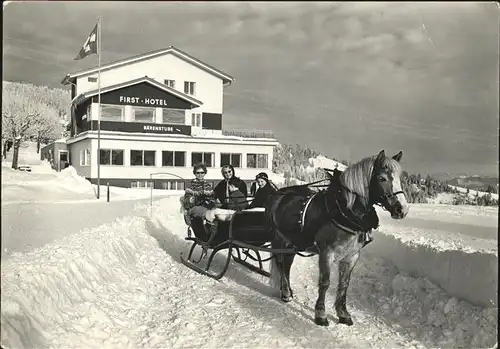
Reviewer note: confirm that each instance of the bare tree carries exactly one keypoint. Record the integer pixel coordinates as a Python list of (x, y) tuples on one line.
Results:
[(48, 126), (18, 118), (26, 113)]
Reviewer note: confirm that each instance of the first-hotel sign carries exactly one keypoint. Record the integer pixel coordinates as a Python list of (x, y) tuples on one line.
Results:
[(134, 100)]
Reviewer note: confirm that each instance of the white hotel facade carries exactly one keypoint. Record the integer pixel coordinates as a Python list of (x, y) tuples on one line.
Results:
[(161, 112)]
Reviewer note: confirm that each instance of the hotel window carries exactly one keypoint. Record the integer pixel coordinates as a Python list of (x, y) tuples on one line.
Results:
[(173, 158), (85, 157), (143, 114), (172, 185), (170, 83), (174, 116), (190, 88), (111, 157), (205, 158), (112, 112), (230, 159), (196, 119), (142, 157), (141, 184), (257, 161)]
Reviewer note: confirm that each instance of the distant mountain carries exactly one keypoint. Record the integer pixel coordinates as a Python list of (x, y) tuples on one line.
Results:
[(475, 182)]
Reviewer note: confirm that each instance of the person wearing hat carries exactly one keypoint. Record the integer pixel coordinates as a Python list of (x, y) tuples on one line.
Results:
[(231, 192), (263, 189)]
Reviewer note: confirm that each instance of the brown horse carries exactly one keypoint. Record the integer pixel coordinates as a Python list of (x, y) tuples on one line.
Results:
[(334, 223)]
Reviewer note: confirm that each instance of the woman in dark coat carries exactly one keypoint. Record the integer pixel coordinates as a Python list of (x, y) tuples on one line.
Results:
[(231, 192), (264, 188)]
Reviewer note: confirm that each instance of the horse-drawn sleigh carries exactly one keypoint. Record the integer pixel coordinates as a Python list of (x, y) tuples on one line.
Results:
[(333, 223)]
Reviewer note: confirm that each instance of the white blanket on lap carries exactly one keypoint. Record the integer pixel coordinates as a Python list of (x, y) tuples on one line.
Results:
[(226, 215), (221, 214)]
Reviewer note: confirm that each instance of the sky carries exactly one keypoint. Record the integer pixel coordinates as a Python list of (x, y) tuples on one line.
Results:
[(346, 79)]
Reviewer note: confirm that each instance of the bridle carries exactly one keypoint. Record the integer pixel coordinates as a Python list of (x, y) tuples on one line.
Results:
[(382, 200)]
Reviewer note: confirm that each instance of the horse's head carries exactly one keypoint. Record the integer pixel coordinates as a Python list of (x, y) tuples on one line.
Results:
[(385, 185)]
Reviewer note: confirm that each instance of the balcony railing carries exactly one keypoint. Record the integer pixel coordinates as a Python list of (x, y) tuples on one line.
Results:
[(249, 133)]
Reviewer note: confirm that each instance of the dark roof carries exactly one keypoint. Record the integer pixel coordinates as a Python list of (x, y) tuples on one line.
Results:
[(148, 55), (86, 95)]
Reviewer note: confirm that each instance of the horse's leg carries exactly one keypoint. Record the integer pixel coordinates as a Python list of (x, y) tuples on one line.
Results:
[(324, 282), (346, 267), (284, 264), (280, 264), (287, 266), (276, 270)]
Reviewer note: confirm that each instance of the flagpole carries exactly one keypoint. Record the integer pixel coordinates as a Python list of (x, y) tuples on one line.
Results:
[(99, 107)]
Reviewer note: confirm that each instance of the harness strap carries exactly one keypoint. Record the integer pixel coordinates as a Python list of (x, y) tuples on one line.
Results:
[(337, 224), (302, 218)]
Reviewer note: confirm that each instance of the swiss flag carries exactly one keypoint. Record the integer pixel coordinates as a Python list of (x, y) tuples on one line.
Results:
[(90, 45)]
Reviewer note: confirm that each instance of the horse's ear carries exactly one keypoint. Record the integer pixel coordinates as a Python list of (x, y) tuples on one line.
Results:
[(398, 156), (380, 157)]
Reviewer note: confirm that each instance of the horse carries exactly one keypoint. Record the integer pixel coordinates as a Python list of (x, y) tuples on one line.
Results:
[(334, 224)]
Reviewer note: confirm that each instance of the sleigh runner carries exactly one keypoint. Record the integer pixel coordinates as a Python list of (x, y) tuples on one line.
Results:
[(239, 232), (244, 234)]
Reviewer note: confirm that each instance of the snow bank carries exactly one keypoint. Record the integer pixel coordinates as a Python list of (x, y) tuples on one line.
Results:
[(419, 309), (463, 264), (471, 276), (42, 183), (51, 186), (43, 167), (53, 295)]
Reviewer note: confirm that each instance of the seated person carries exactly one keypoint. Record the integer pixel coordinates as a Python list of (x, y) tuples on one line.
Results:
[(263, 190), (253, 188), (231, 192), (199, 200)]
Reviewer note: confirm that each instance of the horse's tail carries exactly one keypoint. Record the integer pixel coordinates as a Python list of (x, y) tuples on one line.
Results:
[(274, 278), (271, 205)]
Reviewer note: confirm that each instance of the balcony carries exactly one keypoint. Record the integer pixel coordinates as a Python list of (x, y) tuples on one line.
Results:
[(249, 133)]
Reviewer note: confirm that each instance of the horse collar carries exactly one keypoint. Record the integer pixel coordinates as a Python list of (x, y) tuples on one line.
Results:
[(346, 219)]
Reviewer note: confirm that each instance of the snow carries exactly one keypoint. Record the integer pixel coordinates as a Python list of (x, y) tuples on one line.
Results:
[(464, 228), (472, 193), (323, 162), (65, 186), (93, 274), (27, 155), (121, 285)]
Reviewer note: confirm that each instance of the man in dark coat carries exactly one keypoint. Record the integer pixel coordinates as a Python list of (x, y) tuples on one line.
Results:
[(231, 191)]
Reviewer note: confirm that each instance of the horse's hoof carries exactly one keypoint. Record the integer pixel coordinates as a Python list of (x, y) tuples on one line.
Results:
[(321, 321), (286, 299), (346, 321)]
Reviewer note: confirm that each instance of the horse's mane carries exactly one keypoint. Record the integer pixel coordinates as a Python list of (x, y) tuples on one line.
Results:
[(357, 177)]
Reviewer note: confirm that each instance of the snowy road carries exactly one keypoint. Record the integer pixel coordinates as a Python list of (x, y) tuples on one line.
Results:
[(26, 226)]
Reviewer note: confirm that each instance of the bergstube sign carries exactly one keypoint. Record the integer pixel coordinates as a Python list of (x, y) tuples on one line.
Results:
[(139, 127)]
